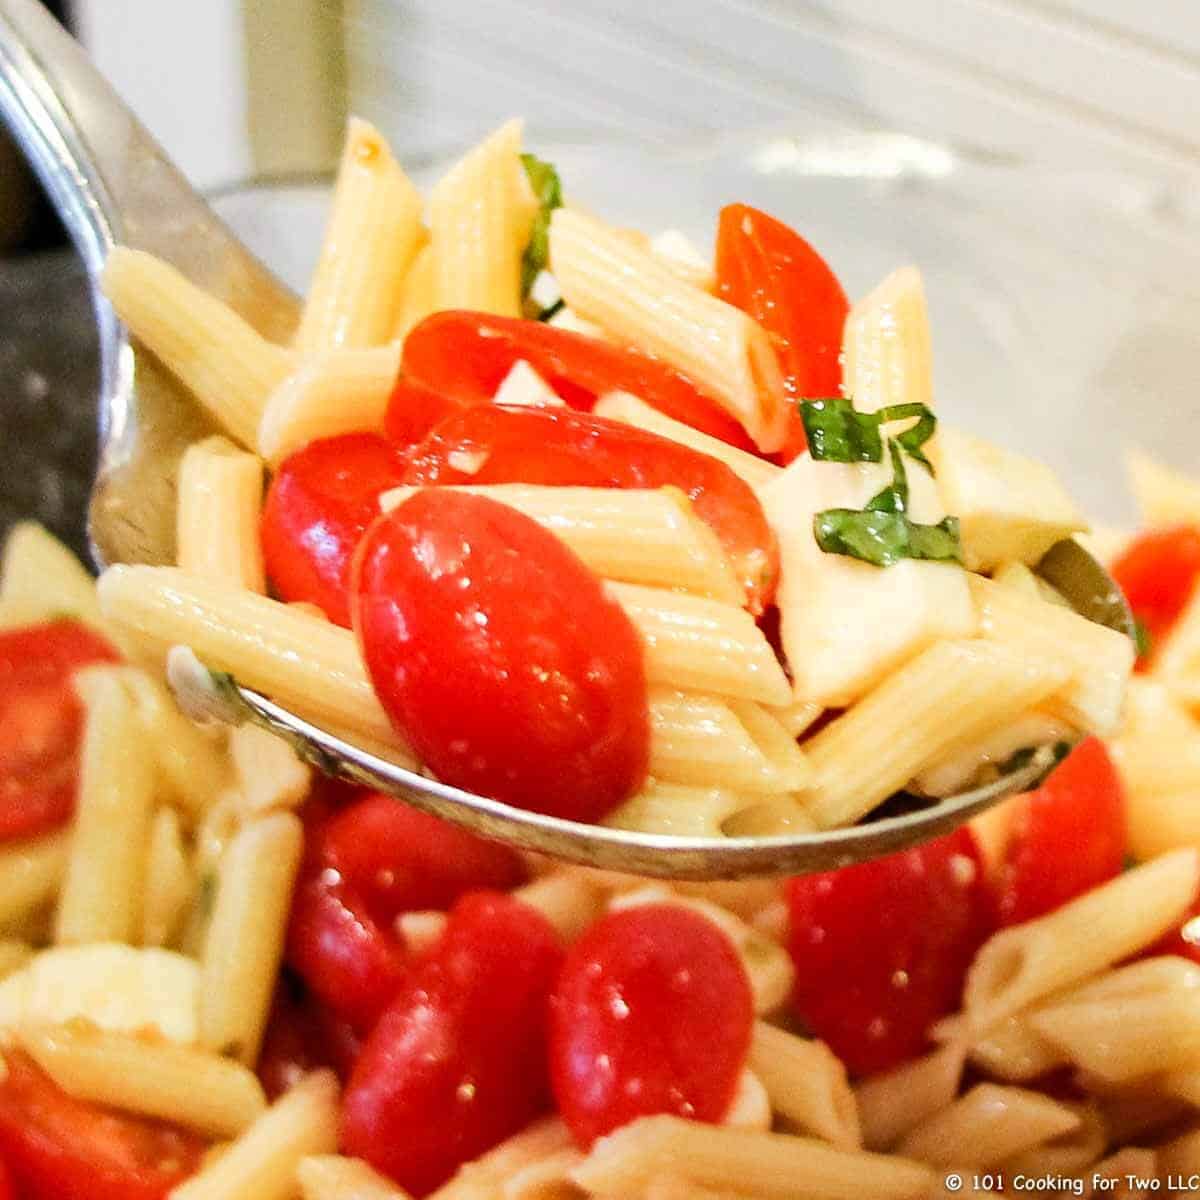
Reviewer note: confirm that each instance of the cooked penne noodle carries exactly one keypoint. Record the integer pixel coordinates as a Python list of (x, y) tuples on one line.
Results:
[(480, 215), (549, 1179), (30, 875), (269, 773), (261, 1164), (949, 696), (703, 645), (485, 1176), (328, 394), (169, 880), (770, 818), (675, 250), (1131, 1173), (956, 771), (678, 1187), (153, 1078), (895, 1102), (41, 579), (1014, 1051), (14, 954), (1020, 578), (797, 716), (220, 503), (101, 893), (1099, 659), (745, 898), (768, 965), (763, 1164), (1066, 1154), (373, 233), (1027, 962), (1163, 495), (192, 764), (229, 368), (701, 741), (807, 1085), (622, 406), (638, 536), (677, 810), (569, 901), (987, 1126), (244, 944), (417, 294), (750, 1107), (335, 1177), (630, 293), (1184, 1083), (307, 664)]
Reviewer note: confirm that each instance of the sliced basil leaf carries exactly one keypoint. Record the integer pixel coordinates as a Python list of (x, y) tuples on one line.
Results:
[(885, 538), (547, 188), (894, 497), (552, 310), (1142, 639), (914, 438), (837, 433)]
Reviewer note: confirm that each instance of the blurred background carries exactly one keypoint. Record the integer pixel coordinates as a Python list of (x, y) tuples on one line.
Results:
[(243, 91)]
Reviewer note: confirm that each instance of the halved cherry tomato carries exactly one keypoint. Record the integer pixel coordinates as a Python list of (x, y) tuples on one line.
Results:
[(881, 948), (303, 1035), (1158, 573), (652, 1013), (498, 444), (60, 1148), (1066, 838), (769, 271), (500, 656), (414, 410), (41, 722), (464, 357), (457, 1063), (8, 1190), (318, 505)]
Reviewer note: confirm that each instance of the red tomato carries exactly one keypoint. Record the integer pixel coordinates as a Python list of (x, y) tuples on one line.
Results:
[(318, 505), (1183, 940), (652, 1013), (556, 446), (1158, 573), (501, 657), (414, 410), (1066, 838), (457, 1062), (59, 1148), (464, 357), (881, 948), (769, 271), (8, 1189), (41, 719), (303, 1036)]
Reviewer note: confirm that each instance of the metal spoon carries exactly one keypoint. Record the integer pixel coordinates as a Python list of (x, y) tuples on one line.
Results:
[(112, 184)]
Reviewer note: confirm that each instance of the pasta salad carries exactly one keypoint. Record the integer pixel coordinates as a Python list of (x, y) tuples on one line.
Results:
[(575, 519)]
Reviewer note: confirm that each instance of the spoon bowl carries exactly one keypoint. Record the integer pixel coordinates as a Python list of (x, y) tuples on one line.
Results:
[(112, 185)]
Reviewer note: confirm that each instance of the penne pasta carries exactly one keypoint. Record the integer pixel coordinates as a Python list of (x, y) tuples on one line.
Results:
[(1027, 962), (1015, 1052), (677, 810), (269, 773), (570, 902), (417, 294), (102, 889), (895, 1102), (807, 1085), (170, 884), (374, 232), (220, 503), (40, 579), (304, 663), (702, 645), (328, 394), (650, 537), (226, 365), (480, 216), (750, 1107), (262, 1163), (244, 944), (622, 406), (630, 293), (1067, 1154), (485, 1176), (764, 1164), (335, 1177), (31, 872), (153, 1078), (948, 697), (770, 818), (1163, 496), (987, 1126)]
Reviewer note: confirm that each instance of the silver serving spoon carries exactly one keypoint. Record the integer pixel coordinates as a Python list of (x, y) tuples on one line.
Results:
[(112, 184)]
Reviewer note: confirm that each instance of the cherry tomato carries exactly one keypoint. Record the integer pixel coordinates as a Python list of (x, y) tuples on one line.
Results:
[(465, 356), (500, 656), (769, 271), (318, 505), (60, 1148), (41, 720), (1158, 573), (8, 1189), (496, 444), (881, 948), (457, 1063), (1183, 940), (303, 1035), (1066, 838), (652, 1013)]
